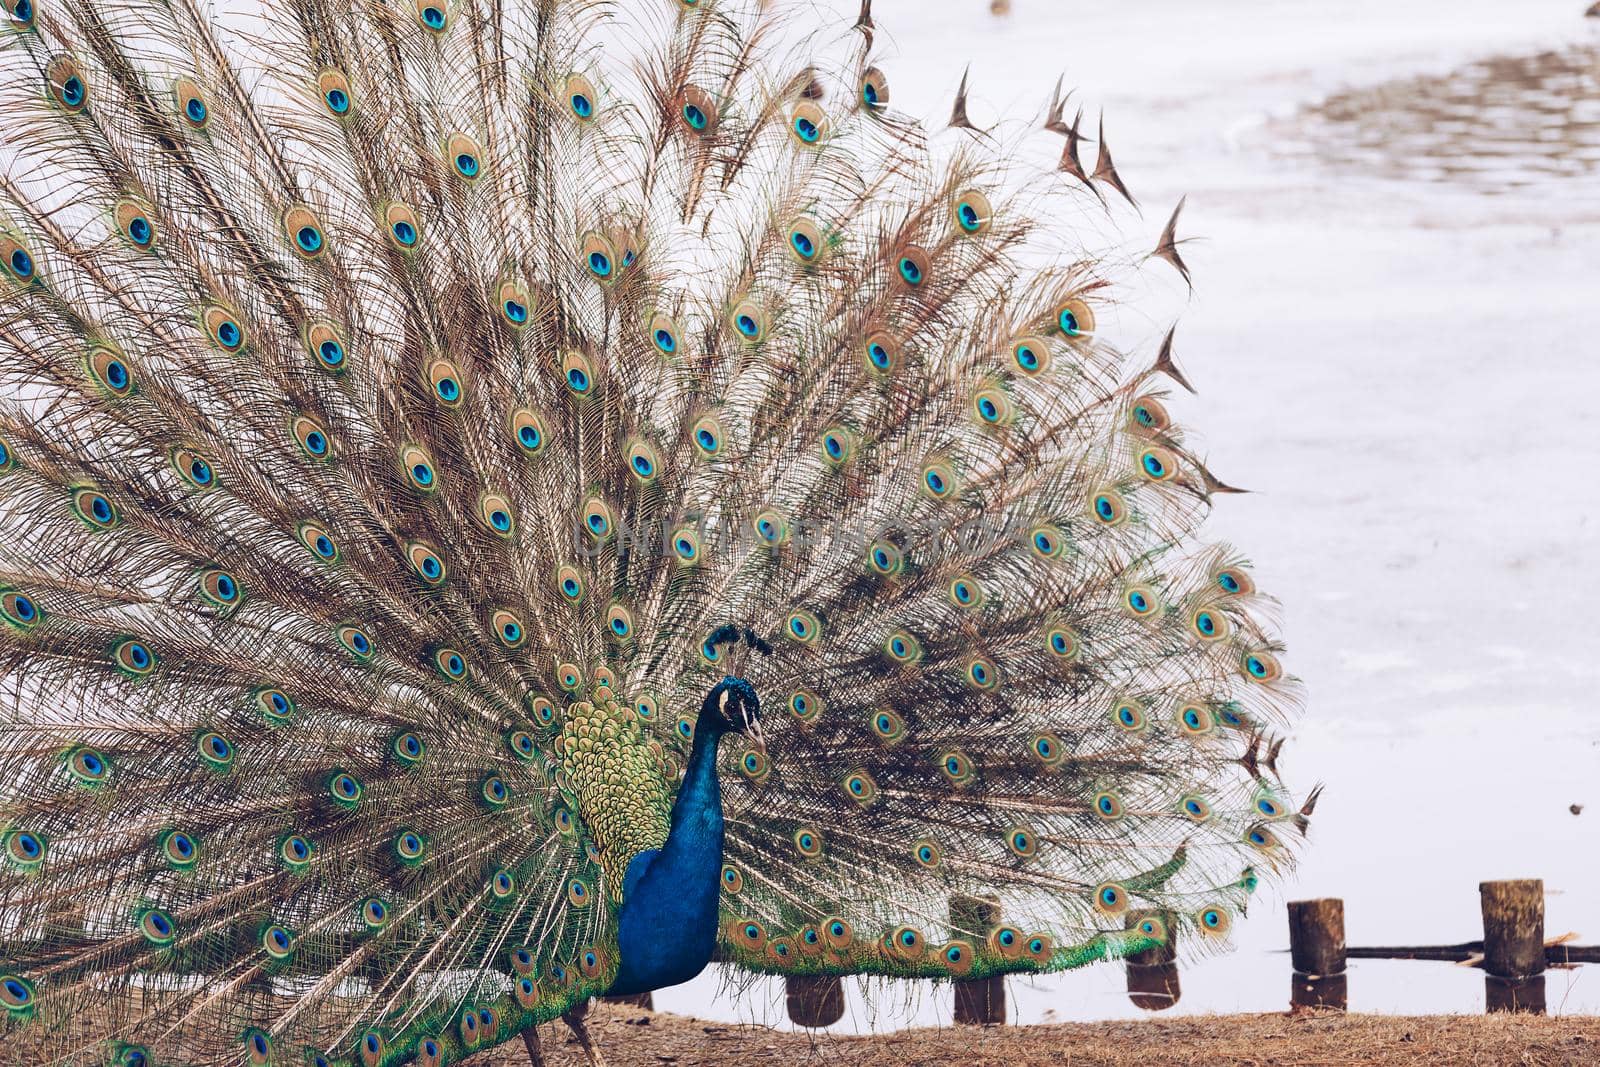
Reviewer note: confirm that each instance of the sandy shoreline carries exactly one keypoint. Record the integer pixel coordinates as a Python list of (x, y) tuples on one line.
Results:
[(629, 1036)]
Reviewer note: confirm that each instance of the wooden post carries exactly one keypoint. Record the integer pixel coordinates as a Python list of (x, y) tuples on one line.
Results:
[(1153, 973), (1316, 949), (1316, 936), (638, 1000), (814, 1001), (979, 1001), (1518, 995), (1513, 927)]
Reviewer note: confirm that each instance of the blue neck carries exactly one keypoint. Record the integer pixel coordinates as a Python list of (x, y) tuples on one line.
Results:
[(668, 922)]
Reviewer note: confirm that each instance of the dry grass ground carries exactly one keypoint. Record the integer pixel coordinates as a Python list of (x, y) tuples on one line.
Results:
[(629, 1037)]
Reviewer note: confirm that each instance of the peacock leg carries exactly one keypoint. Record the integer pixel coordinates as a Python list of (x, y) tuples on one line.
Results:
[(530, 1037), (574, 1019)]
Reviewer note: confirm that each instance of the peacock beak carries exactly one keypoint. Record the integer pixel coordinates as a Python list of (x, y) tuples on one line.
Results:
[(753, 734)]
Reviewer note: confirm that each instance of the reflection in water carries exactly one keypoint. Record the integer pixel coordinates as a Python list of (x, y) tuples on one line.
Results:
[(1496, 125)]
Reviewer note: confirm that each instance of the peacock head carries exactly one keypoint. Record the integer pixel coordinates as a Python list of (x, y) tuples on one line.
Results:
[(732, 706)]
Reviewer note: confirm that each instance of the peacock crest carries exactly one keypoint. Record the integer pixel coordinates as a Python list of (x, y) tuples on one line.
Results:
[(411, 412)]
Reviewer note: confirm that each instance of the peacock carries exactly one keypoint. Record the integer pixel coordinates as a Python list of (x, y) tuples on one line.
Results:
[(508, 501)]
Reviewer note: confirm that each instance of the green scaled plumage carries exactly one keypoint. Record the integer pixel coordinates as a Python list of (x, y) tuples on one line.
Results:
[(396, 399)]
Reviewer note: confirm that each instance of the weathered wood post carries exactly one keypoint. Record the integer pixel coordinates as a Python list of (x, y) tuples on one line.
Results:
[(1153, 973), (1316, 950), (979, 1001), (1513, 945), (814, 1000)]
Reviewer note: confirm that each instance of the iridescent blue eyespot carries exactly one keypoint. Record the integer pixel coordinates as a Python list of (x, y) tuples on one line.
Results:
[(581, 105), (404, 232), (806, 129), (309, 238), (140, 230), (433, 17), (694, 116), (338, 101), (910, 271)]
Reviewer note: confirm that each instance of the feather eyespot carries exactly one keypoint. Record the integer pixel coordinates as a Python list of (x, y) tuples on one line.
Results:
[(1128, 714), (1233, 581), (1031, 354), (494, 511), (516, 303), (1047, 542), (1073, 318), (1158, 464), (803, 626), (838, 445), (993, 406), (971, 212), (903, 647), (1047, 749), (400, 223), (17, 260), (66, 84), (732, 880), (599, 257), (312, 438), (1196, 809), (508, 628), (444, 378), (20, 610), (1209, 624), (807, 123), (597, 519), (749, 322), (221, 589), (808, 842), (569, 677), (111, 372), (357, 642), (887, 725), (191, 103), (578, 372), (425, 562), (295, 852), (1140, 601), (805, 705), (1062, 643), (465, 156), (966, 592), (1213, 921), (1022, 842), (334, 89), (581, 98), (697, 111), (418, 468), (885, 558), (643, 462), (214, 750), (1108, 806), (956, 767), (408, 748), (771, 526), (134, 218), (1195, 718), (275, 706), (450, 664), (708, 436), (874, 89), (326, 346), (544, 712), (223, 327), (522, 745), (754, 766), (87, 766), (569, 581), (158, 927), (1261, 667), (939, 479), (912, 266), (981, 673), (664, 334), (882, 352), (1108, 508), (619, 622), (95, 509), (1148, 416), (805, 241), (494, 792), (859, 787), (528, 431), (305, 233), (25, 850), (21, 14), (433, 15), (409, 846), (905, 943), (926, 853)]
